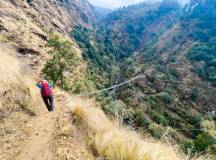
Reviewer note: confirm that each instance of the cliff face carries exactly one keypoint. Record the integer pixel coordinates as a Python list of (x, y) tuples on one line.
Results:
[(26, 24), (81, 11)]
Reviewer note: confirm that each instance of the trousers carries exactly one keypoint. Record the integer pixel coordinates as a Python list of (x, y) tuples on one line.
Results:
[(49, 103)]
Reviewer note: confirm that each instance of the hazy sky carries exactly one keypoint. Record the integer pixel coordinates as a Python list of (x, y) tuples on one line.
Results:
[(112, 4)]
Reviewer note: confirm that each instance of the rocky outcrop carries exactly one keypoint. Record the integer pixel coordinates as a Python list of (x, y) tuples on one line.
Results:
[(27, 23)]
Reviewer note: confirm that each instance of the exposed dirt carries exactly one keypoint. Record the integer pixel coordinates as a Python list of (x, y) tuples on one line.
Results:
[(47, 136), (39, 144)]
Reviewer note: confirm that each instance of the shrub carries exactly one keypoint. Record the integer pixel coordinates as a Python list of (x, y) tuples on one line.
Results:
[(82, 85), (115, 108), (194, 94), (208, 125), (165, 97), (140, 119), (188, 146), (200, 71), (174, 73), (204, 141), (212, 149), (205, 53), (212, 78), (212, 62), (196, 119), (161, 119), (156, 130), (200, 52)]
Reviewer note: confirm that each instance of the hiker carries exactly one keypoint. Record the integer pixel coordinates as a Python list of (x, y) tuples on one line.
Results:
[(46, 93)]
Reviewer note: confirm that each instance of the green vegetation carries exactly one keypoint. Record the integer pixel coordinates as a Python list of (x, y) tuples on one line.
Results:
[(140, 119), (127, 27), (102, 68), (162, 110), (128, 43), (165, 97), (62, 59), (203, 56), (205, 142), (82, 85)]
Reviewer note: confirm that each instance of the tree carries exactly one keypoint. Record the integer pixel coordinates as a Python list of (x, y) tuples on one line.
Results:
[(63, 58), (194, 94), (204, 141)]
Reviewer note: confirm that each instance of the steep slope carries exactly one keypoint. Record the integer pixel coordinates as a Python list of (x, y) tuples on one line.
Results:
[(171, 99), (192, 52), (113, 141), (13, 81), (24, 30), (140, 25), (120, 34), (54, 136), (27, 24), (180, 90), (174, 48), (81, 12), (17, 101)]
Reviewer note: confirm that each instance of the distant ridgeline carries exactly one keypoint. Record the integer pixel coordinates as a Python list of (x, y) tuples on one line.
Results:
[(175, 48)]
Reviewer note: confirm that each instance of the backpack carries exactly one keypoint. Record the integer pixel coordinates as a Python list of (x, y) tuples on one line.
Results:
[(45, 90)]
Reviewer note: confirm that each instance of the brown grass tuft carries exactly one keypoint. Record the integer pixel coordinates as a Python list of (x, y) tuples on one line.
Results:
[(113, 141), (78, 113)]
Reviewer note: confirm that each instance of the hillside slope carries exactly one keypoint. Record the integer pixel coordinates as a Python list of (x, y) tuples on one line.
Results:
[(27, 25), (17, 101), (24, 30), (138, 26), (174, 48), (175, 100), (113, 141), (28, 132)]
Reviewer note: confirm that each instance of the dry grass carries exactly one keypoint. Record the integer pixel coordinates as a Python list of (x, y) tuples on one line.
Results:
[(78, 114), (16, 90), (112, 141), (3, 38), (123, 144)]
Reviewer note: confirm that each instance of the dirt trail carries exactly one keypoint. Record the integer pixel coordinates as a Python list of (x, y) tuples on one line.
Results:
[(39, 145), (54, 136)]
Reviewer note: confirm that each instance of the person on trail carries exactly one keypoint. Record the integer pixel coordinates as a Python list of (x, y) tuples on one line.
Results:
[(46, 93)]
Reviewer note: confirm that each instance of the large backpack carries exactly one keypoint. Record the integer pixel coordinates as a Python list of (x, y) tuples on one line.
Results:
[(45, 90)]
